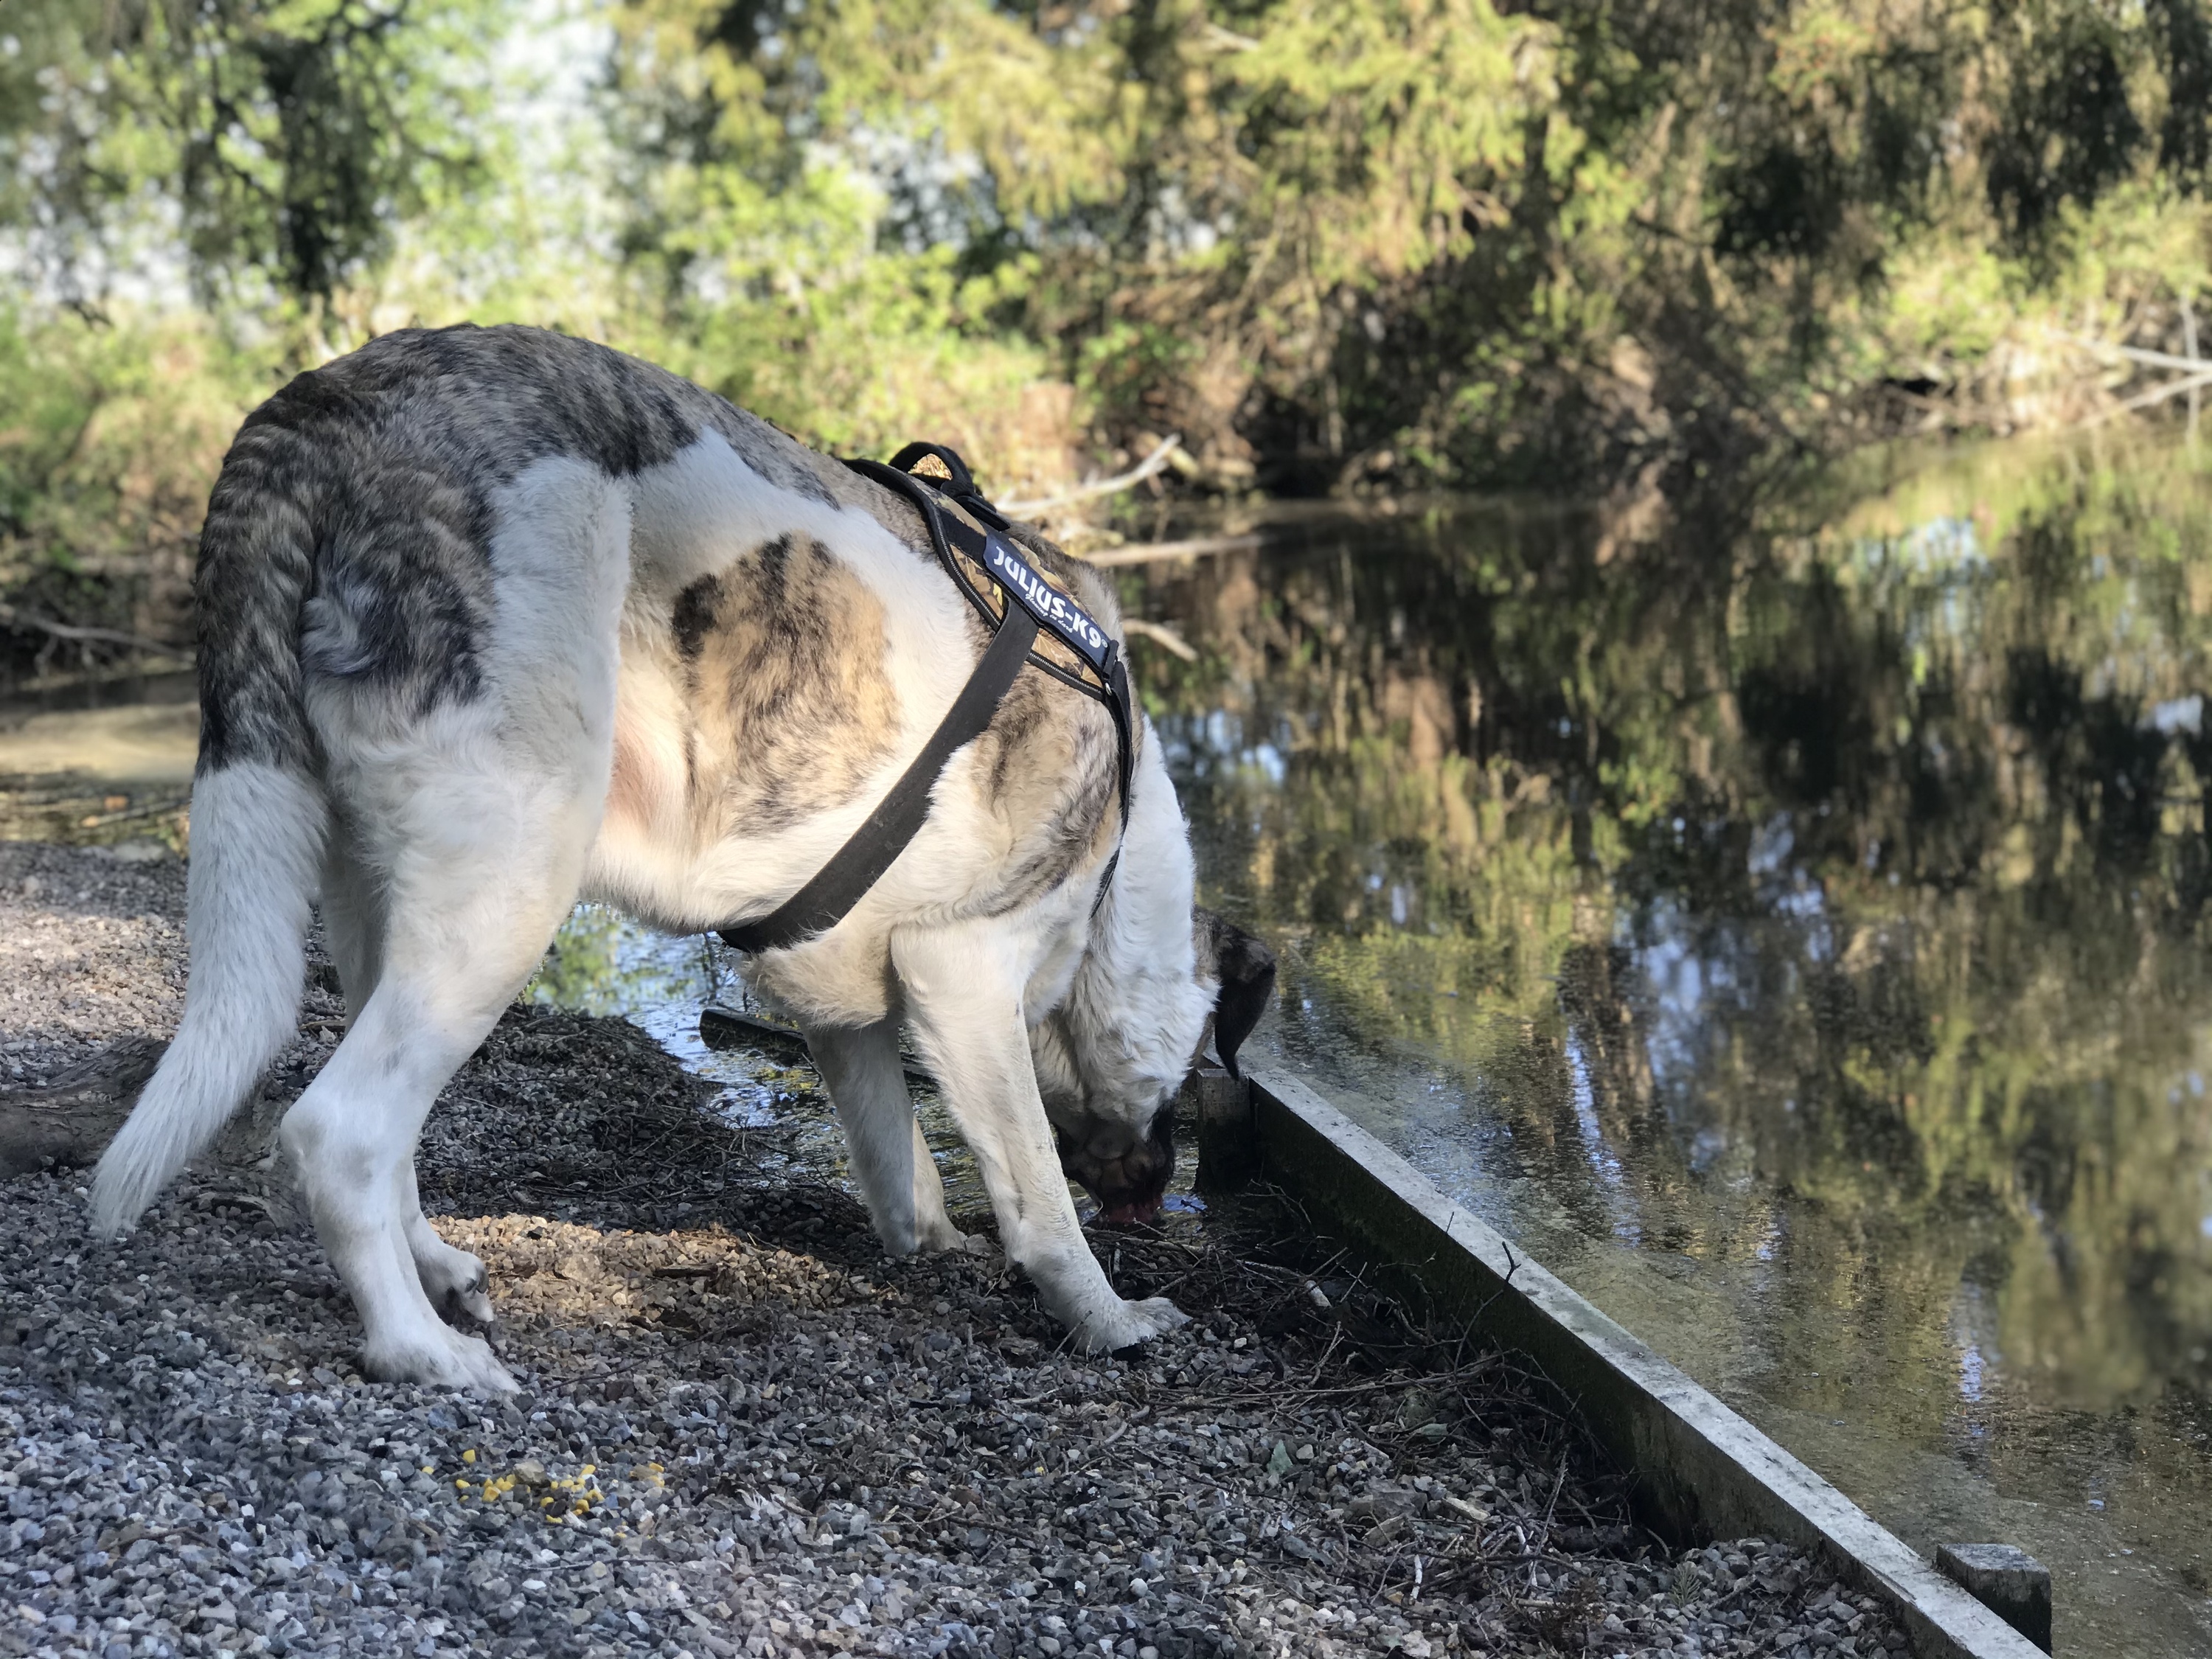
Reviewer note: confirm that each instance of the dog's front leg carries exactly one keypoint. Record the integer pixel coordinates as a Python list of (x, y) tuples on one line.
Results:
[(891, 1163), (963, 987)]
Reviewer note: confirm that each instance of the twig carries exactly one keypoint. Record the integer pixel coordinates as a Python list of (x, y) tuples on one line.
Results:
[(15, 616), (1147, 552), (100, 820), (1092, 1451), (1083, 492), (1395, 1380), (1160, 635), (1334, 1337), (2137, 355)]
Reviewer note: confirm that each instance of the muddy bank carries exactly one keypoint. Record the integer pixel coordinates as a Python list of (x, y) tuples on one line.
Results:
[(742, 1430)]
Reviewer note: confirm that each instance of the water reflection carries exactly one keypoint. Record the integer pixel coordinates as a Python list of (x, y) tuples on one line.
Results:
[(604, 963), (1816, 907)]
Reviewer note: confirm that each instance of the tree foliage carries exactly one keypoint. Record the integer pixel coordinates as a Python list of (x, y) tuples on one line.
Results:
[(1341, 239), (285, 143), (1336, 244)]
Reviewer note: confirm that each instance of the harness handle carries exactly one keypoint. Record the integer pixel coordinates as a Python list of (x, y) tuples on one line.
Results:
[(960, 483)]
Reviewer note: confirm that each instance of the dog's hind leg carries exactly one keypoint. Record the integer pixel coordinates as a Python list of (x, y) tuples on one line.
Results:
[(891, 1161), (963, 984), (353, 907), (476, 889)]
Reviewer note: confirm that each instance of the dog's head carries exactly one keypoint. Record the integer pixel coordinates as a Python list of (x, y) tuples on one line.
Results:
[(1111, 1058), (1243, 971)]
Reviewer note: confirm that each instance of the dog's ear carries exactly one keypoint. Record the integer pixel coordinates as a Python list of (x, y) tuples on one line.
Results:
[(1246, 969)]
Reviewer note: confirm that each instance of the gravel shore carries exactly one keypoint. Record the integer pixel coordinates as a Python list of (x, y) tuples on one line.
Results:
[(743, 1431)]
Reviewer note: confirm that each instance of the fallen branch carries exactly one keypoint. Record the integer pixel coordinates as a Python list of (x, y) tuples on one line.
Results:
[(1084, 492), (1146, 552), (2173, 388), (175, 803), (73, 1118), (14, 617), (2137, 355), (1161, 635)]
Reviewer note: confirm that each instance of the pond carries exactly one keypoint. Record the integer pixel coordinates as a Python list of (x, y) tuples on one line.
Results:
[(1789, 923), (1794, 929)]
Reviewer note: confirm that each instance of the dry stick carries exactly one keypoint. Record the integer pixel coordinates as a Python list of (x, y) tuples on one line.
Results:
[(1334, 1337), (100, 820), (1147, 552), (1160, 635), (2194, 364), (2157, 395), (1083, 1462), (12, 616), (1084, 492), (2197, 375)]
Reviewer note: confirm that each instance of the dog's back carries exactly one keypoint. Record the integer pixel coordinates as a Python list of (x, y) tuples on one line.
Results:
[(370, 490)]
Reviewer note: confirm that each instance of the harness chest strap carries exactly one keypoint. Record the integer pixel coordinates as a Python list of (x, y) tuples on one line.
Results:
[(1033, 603)]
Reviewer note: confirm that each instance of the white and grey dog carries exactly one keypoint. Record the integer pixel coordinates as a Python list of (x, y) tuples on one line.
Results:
[(492, 619)]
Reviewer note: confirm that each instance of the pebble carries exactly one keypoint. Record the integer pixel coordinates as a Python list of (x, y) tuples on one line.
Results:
[(742, 1430)]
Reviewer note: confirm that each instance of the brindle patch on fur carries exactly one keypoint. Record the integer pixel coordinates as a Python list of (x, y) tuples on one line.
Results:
[(356, 508), (1052, 771), (791, 710), (1053, 778)]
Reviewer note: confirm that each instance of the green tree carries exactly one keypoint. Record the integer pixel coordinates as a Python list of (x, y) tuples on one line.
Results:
[(285, 142)]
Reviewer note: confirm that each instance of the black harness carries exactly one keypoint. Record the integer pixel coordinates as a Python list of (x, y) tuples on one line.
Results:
[(1031, 604)]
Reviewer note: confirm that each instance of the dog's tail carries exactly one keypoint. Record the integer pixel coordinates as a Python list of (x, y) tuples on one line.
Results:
[(258, 819)]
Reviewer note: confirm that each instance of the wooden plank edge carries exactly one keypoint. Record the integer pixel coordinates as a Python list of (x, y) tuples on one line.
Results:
[(1696, 1465)]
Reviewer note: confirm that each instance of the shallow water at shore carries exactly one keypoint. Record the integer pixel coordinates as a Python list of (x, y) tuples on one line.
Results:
[(100, 762)]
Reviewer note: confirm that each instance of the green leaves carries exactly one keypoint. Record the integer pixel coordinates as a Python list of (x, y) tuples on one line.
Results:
[(1379, 125), (289, 140), (1329, 242)]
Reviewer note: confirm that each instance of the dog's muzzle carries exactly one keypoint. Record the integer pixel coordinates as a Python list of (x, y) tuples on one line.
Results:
[(1129, 1178)]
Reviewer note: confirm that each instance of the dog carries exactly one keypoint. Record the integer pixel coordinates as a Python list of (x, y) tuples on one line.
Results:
[(494, 619)]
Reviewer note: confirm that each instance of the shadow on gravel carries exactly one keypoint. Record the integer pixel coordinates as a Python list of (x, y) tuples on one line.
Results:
[(743, 1431)]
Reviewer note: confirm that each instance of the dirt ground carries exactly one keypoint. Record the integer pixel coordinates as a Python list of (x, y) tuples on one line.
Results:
[(742, 1429)]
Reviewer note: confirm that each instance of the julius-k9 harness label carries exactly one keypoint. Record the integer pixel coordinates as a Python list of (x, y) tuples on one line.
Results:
[(1053, 609)]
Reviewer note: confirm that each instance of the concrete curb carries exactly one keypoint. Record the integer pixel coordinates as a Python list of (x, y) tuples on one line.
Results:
[(1698, 1468)]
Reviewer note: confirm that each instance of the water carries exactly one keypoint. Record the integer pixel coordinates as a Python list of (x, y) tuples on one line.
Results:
[(103, 762), (603, 963), (1793, 929)]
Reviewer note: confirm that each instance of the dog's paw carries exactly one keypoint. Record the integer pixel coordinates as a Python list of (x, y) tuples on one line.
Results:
[(1126, 1324), (453, 1279), (446, 1360), (943, 1236), (457, 1286)]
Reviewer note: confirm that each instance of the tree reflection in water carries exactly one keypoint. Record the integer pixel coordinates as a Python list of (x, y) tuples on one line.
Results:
[(1820, 900)]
